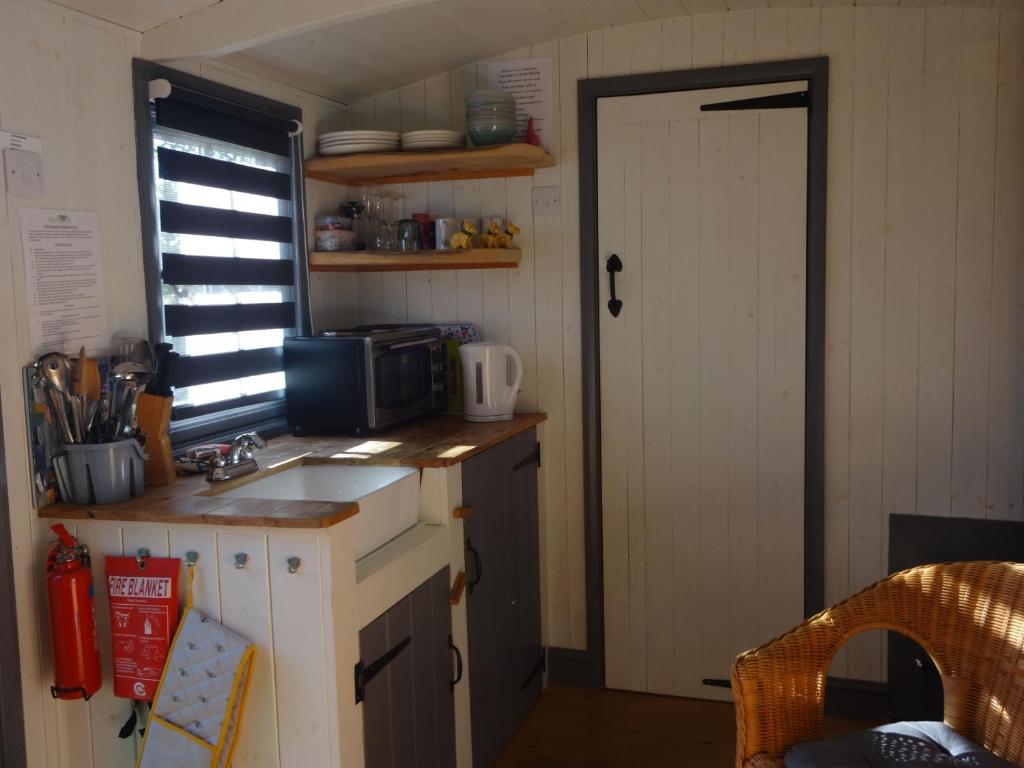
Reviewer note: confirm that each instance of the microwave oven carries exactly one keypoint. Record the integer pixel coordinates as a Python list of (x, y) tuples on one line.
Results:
[(363, 379)]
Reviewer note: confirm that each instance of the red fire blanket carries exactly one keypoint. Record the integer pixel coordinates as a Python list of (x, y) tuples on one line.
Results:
[(143, 616)]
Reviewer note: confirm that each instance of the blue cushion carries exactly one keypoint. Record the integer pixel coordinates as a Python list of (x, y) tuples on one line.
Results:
[(900, 745)]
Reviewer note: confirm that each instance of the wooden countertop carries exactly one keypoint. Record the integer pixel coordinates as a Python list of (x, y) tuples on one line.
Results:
[(435, 441)]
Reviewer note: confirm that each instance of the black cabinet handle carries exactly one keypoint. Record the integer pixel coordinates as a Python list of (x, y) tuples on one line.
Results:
[(613, 265), (458, 665), (478, 570)]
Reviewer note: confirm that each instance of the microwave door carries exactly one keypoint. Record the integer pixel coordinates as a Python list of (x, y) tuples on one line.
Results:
[(402, 380)]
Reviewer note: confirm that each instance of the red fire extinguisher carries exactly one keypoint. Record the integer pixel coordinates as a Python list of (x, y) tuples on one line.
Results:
[(76, 657)]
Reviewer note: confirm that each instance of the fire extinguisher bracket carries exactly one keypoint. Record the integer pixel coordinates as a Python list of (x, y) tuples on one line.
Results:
[(69, 591)]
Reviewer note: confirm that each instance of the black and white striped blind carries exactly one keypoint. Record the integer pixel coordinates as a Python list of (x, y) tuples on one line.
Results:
[(227, 249)]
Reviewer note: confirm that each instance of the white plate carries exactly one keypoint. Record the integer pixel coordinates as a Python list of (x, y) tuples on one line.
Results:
[(365, 135), (371, 140), (432, 135), (352, 149), (375, 144), (384, 144)]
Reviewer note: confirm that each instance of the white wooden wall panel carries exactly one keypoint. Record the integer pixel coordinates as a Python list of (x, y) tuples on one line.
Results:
[(67, 79), (298, 634), (939, 148), (245, 608), (979, 59), (911, 223)]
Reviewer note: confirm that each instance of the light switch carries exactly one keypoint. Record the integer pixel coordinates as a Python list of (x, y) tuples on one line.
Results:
[(547, 201), (23, 173)]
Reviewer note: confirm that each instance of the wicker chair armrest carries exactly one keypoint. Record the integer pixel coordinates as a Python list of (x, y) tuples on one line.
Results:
[(779, 690), (761, 760)]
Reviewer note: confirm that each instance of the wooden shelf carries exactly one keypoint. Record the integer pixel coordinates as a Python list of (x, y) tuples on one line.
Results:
[(389, 261), (440, 165)]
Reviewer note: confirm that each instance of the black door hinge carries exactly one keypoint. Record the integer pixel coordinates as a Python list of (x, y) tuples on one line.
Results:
[(364, 674), (797, 100), (717, 682), (540, 666), (533, 458)]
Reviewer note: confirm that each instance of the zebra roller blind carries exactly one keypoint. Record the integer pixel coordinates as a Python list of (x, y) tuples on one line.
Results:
[(227, 249)]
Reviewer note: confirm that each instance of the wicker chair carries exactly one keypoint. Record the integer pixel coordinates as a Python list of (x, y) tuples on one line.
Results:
[(969, 617)]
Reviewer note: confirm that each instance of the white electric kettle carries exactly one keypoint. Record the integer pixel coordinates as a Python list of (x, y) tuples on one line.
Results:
[(491, 375)]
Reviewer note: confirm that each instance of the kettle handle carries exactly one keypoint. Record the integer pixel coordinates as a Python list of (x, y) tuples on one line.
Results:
[(518, 380)]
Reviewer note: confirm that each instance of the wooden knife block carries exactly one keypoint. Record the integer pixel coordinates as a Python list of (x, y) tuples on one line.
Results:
[(154, 417)]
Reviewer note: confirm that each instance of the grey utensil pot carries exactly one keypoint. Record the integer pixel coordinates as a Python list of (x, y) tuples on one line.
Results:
[(103, 473)]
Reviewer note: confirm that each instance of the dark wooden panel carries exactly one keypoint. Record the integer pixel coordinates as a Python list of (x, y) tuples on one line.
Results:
[(443, 669), (409, 712), (482, 489), (373, 643), (401, 680), (527, 521), (504, 609), (424, 679)]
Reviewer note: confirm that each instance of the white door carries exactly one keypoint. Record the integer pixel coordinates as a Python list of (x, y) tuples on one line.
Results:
[(702, 382)]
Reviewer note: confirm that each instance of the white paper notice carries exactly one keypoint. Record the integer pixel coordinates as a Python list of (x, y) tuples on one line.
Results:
[(530, 81), (64, 279)]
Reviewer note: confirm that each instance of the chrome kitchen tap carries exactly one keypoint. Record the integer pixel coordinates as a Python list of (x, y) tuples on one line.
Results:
[(240, 460)]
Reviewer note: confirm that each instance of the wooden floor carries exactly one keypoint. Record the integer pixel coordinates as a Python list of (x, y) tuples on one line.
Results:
[(592, 728)]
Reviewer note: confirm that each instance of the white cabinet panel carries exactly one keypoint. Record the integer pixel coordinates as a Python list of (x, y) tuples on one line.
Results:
[(245, 608), (300, 672)]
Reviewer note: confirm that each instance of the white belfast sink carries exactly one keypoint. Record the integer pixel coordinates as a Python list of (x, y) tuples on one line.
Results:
[(388, 497)]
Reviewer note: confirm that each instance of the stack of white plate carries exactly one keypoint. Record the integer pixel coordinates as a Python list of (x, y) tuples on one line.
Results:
[(420, 140), (351, 142)]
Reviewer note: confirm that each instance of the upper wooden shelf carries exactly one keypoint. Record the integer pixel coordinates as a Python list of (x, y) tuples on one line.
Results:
[(392, 261), (440, 165)]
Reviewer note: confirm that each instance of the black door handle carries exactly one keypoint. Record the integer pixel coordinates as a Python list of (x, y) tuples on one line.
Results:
[(478, 571), (613, 265), (458, 665)]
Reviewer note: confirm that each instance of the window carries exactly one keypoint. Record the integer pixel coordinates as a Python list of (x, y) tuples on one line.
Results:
[(220, 187)]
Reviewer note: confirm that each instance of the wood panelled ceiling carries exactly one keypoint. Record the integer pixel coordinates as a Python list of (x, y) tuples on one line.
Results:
[(137, 15), (358, 58), (349, 60)]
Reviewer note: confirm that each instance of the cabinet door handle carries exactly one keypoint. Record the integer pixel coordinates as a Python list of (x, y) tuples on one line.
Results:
[(458, 665), (613, 265), (478, 570)]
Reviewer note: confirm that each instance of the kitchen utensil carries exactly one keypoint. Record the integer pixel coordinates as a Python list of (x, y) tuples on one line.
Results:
[(56, 372), (78, 371), (491, 375), (154, 417), (77, 403), (58, 405), (89, 383)]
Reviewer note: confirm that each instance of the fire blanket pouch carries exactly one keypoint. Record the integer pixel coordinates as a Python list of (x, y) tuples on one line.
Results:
[(143, 617)]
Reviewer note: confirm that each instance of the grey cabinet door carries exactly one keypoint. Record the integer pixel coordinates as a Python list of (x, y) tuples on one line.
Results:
[(408, 707), (503, 606)]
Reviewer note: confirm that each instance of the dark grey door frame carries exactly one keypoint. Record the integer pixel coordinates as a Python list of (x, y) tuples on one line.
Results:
[(588, 667), (12, 724)]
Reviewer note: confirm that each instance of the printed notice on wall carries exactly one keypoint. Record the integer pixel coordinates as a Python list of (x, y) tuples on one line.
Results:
[(530, 81), (64, 279)]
